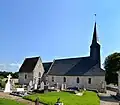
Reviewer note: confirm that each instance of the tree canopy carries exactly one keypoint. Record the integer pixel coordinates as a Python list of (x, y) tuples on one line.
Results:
[(112, 65), (4, 74)]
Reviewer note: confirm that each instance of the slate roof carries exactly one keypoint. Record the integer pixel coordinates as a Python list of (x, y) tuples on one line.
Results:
[(29, 64), (46, 66), (75, 67)]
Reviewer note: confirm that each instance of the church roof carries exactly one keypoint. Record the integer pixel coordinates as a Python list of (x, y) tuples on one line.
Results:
[(75, 67), (46, 66), (29, 64)]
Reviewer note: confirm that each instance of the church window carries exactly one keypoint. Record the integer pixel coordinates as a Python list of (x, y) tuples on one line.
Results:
[(25, 76), (52, 79), (39, 74), (64, 79), (78, 80), (89, 80)]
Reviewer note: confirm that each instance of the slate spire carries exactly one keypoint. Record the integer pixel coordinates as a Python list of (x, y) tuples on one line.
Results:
[(95, 37), (95, 47)]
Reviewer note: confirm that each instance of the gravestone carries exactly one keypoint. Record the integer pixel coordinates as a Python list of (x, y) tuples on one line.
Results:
[(35, 84), (57, 86), (8, 85), (62, 87), (12, 85), (42, 85), (30, 86)]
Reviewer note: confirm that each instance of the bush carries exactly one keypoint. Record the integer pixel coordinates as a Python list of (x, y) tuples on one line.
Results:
[(2, 84)]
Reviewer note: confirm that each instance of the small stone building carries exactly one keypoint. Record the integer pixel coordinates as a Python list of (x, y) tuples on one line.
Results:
[(31, 70)]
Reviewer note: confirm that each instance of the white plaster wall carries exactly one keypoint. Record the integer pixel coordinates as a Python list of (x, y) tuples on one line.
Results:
[(71, 81), (22, 79), (38, 68)]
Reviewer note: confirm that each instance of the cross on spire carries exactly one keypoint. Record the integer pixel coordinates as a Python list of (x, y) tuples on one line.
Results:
[(95, 37), (95, 17)]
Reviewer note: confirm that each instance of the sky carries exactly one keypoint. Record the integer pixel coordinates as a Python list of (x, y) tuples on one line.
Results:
[(55, 29)]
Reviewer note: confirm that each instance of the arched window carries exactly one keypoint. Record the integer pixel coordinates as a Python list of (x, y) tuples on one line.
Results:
[(52, 79), (78, 80), (25, 76), (64, 79), (39, 74), (89, 80)]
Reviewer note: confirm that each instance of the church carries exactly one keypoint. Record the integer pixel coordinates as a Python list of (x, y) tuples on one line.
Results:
[(70, 72)]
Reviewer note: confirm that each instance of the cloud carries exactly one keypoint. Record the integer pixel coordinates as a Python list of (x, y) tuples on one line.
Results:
[(13, 67), (15, 64)]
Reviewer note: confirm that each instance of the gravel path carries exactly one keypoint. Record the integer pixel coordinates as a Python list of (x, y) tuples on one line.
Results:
[(19, 99), (107, 99)]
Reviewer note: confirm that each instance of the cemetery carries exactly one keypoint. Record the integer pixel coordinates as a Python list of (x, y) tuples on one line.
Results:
[(48, 95)]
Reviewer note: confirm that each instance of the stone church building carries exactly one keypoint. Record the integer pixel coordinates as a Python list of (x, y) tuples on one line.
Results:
[(81, 72)]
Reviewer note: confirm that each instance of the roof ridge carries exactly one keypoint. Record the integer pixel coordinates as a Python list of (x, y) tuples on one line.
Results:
[(72, 58)]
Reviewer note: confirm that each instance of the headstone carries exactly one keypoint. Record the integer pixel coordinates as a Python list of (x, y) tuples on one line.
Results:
[(62, 87), (35, 86), (37, 101), (12, 85), (23, 86), (8, 85), (30, 86), (57, 86), (42, 85)]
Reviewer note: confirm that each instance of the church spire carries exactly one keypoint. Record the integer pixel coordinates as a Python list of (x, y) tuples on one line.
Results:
[(95, 47), (95, 38)]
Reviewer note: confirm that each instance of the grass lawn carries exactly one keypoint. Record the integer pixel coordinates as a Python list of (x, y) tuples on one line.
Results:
[(89, 98), (4, 101)]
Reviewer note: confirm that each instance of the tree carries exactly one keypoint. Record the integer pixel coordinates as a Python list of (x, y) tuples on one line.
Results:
[(112, 65)]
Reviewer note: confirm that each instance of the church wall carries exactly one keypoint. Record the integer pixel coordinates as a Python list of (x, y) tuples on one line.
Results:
[(38, 71), (22, 79), (71, 81)]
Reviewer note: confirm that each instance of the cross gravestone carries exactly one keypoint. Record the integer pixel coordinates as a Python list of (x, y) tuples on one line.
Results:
[(8, 85)]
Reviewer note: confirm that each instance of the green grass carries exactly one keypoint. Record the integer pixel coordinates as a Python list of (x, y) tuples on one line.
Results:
[(4, 101), (89, 98)]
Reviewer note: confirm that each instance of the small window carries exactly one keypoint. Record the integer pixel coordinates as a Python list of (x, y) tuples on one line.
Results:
[(39, 74), (89, 80), (64, 79), (52, 79), (78, 80), (25, 76)]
